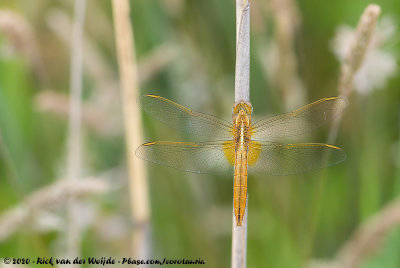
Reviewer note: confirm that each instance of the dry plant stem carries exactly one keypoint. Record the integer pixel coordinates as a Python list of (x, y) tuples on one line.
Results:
[(130, 91), (242, 93), (353, 61), (350, 66), (242, 70), (239, 240), (45, 198), (74, 157)]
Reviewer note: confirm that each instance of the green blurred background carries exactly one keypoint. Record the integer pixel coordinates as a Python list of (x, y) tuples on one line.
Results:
[(186, 52)]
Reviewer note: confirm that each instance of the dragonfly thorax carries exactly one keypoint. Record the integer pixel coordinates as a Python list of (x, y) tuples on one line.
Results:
[(241, 114)]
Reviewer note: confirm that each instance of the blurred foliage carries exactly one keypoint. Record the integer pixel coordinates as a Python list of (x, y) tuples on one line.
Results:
[(291, 219)]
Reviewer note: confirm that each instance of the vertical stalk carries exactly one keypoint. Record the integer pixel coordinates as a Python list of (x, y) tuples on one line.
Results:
[(242, 70), (355, 58), (242, 93), (349, 67), (130, 91), (239, 241), (74, 136)]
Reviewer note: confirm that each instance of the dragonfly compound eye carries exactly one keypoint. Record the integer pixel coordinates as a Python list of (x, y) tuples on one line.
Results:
[(242, 106)]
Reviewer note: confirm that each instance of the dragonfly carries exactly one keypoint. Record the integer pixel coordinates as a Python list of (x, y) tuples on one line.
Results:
[(242, 146)]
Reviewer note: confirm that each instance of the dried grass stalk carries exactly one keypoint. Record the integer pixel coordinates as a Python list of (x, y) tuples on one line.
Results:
[(74, 157), (355, 58), (361, 41), (242, 93), (239, 240), (242, 70), (130, 91)]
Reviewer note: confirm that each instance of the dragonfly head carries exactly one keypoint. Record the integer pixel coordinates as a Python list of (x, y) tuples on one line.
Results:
[(241, 110)]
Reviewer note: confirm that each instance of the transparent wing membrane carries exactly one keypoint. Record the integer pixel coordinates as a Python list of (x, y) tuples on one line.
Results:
[(286, 159), (203, 157), (263, 157), (182, 118), (299, 121)]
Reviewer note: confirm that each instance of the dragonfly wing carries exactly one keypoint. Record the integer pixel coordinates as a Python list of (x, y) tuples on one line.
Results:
[(202, 157), (182, 118), (286, 159), (299, 121)]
